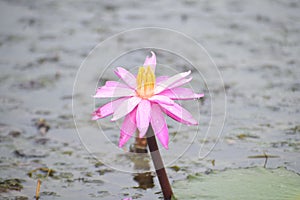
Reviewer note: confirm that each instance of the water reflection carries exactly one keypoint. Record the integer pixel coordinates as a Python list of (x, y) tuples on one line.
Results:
[(141, 162), (145, 180), (140, 145)]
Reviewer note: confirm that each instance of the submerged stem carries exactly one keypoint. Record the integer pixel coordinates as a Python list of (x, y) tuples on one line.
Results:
[(159, 165)]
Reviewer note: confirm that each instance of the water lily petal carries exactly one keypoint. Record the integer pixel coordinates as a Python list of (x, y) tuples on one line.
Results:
[(143, 116), (181, 94), (126, 107), (115, 84), (161, 78), (108, 91), (107, 109), (126, 76), (161, 99), (128, 128), (172, 80), (127, 198), (179, 114), (159, 125), (180, 83), (151, 61)]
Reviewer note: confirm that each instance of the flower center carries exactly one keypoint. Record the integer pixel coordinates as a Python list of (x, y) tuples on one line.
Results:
[(145, 82)]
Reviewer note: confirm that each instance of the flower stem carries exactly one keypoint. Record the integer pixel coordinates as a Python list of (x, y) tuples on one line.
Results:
[(159, 165)]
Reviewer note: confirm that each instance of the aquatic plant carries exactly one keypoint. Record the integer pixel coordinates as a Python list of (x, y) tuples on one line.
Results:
[(143, 100)]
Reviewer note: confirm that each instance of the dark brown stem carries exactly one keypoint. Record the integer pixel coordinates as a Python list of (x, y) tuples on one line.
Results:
[(159, 165)]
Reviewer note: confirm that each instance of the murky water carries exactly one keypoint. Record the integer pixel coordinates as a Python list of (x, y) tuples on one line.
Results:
[(42, 44)]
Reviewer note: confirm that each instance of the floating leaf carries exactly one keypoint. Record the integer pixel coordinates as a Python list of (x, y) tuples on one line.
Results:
[(247, 184)]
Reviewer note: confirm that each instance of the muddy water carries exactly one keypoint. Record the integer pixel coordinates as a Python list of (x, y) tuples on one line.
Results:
[(42, 44)]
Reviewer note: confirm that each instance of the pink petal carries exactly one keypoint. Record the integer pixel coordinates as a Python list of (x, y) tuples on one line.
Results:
[(115, 84), (179, 114), (143, 116), (181, 94), (161, 78), (113, 90), (107, 109), (159, 125), (161, 99), (128, 128), (126, 107), (126, 76), (170, 81), (151, 61), (180, 83)]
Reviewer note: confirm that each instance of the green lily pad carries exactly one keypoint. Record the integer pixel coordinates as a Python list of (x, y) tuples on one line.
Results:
[(247, 184)]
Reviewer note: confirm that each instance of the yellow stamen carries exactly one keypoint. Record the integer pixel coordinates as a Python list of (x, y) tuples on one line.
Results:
[(145, 82)]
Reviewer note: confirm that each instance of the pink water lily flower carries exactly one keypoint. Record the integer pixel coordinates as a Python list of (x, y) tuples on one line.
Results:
[(128, 198), (143, 100)]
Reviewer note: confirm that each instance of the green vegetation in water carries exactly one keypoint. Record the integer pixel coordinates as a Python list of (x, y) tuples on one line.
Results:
[(46, 193), (243, 136), (41, 172), (176, 168), (64, 175), (104, 171), (69, 153), (247, 184), (294, 130), (11, 184), (98, 164), (17, 198)]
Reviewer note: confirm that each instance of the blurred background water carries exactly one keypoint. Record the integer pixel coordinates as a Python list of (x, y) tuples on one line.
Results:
[(255, 44)]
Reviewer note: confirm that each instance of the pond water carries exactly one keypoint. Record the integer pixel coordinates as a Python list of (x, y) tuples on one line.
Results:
[(255, 45)]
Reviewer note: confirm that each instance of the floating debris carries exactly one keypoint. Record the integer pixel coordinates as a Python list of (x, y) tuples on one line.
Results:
[(42, 126), (46, 193), (69, 153), (39, 82), (14, 133), (42, 141), (48, 59), (244, 136), (21, 198), (265, 156), (20, 153), (213, 162)]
